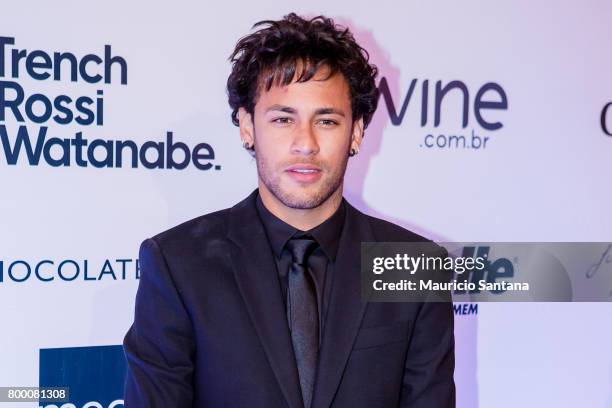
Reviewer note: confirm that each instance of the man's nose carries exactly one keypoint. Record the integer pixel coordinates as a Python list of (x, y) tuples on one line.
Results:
[(305, 141)]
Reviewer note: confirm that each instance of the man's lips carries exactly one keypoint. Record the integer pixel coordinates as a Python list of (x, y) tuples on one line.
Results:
[(304, 172), (304, 168)]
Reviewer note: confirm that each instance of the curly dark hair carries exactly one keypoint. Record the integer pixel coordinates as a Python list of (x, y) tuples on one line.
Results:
[(272, 54)]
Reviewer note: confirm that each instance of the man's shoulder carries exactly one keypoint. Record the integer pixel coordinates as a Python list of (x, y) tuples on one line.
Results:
[(211, 226), (388, 231)]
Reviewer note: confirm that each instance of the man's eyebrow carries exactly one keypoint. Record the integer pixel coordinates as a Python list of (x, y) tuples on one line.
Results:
[(320, 111), (282, 108), (327, 111)]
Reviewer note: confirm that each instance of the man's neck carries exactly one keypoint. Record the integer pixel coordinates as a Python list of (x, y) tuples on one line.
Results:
[(302, 219)]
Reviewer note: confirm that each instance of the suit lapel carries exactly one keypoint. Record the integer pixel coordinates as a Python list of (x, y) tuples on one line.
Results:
[(345, 310), (256, 275)]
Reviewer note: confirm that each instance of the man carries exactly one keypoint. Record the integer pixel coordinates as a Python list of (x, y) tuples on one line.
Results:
[(259, 305)]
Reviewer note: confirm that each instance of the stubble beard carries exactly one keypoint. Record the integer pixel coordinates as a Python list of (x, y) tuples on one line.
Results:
[(295, 199)]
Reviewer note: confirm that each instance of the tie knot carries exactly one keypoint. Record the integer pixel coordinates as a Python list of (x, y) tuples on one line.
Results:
[(300, 247)]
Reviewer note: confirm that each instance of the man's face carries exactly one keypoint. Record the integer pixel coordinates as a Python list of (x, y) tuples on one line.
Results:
[(302, 135)]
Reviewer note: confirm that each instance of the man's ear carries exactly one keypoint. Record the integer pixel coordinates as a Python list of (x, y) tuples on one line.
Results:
[(247, 130), (357, 135)]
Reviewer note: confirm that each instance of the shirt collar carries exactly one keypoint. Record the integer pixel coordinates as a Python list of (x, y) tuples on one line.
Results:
[(327, 234)]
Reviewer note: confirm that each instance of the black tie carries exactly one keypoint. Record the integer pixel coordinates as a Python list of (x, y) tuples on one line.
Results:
[(302, 313)]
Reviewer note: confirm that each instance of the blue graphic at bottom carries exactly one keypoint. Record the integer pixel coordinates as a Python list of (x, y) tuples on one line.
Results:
[(95, 375)]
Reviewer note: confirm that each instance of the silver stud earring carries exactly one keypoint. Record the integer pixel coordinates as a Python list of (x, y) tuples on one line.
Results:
[(353, 152), (246, 145)]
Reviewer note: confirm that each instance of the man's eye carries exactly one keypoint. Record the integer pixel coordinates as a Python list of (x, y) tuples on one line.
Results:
[(328, 122), (282, 121)]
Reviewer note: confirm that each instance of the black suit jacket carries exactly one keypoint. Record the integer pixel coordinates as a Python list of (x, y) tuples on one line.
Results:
[(210, 328)]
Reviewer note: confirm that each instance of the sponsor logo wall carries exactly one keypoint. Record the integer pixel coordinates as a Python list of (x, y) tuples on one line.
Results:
[(494, 124)]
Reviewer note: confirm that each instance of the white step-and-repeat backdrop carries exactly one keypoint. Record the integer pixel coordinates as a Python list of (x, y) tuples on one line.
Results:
[(114, 125)]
